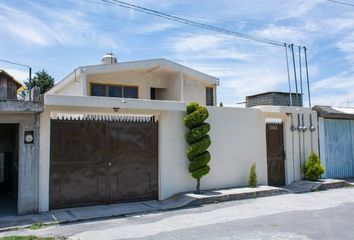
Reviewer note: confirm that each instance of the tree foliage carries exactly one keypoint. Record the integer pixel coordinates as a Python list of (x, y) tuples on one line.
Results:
[(313, 168), (198, 141), (40, 79)]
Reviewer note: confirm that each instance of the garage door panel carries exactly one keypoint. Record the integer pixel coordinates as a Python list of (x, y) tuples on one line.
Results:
[(102, 162), (133, 172), (75, 185)]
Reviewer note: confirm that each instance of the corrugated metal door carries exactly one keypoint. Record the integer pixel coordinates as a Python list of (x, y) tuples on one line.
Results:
[(95, 162), (339, 148)]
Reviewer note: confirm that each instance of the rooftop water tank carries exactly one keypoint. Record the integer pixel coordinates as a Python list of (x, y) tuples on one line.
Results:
[(109, 58)]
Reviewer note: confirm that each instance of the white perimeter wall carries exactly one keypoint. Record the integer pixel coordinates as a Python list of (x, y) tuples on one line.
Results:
[(238, 140)]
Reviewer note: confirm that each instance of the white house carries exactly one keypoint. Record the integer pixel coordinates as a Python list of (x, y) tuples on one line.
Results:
[(157, 79), (114, 132)]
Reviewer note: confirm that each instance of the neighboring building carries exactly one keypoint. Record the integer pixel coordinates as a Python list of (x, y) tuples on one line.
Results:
[(8, 86), (157, 79), (336, 135), (274, 99), (19, 149)]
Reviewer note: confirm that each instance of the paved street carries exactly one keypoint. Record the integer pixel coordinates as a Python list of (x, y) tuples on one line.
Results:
[(318, 215)]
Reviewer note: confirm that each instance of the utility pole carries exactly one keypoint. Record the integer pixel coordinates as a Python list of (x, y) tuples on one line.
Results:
[(307, 77)]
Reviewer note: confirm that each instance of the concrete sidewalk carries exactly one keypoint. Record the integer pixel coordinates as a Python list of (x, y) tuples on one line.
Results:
[(177, 201), (123, 209), (304, 186)]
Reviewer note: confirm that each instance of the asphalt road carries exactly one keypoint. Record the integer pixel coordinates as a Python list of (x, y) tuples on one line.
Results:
[(318, 215)]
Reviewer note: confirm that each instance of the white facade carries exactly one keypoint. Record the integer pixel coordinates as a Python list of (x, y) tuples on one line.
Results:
[(238, 140), (172, 82)]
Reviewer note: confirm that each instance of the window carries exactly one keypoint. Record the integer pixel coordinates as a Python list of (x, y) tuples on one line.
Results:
[(130, 92), (209, 96), (114, 91), (98, 90)]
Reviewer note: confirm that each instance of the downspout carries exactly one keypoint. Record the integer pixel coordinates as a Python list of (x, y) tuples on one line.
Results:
[(292, 128), (181, 78), (299, 129), (215, 99), (84, 82)]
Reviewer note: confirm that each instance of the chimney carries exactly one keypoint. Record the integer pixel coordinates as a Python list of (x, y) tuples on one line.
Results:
[(109, 58)]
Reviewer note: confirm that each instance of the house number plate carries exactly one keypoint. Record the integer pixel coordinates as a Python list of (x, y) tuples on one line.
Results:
[(273, 128)]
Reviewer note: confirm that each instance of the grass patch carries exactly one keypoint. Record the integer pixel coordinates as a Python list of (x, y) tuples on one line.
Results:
[(25, 238), (36, 226)]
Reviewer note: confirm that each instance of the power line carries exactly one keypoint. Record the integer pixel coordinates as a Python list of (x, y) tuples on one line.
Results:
[(342, 3), (192, 23), (47, 3)]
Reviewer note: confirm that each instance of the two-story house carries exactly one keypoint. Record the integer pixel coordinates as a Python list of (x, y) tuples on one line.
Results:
[(106, 131), (156, 79)]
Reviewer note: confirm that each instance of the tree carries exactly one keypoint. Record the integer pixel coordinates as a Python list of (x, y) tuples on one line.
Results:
[(198, 141), (252, 178), (41, 79), (221, 104), (313, 168)]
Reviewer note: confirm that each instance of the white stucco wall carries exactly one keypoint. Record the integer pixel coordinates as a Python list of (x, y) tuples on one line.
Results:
[(238, 139)]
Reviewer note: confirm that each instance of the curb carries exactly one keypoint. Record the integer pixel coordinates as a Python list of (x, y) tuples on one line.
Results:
[(235, 197), (192, 202)]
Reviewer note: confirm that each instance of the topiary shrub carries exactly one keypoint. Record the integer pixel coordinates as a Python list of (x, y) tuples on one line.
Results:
[(313, 168), (198, 141), (252, 178)]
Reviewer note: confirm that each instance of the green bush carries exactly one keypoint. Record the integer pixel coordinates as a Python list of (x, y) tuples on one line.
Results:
[(252, 178), (198, 141), (313, 168)]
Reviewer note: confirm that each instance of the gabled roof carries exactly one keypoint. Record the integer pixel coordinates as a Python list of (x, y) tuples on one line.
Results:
[(334, 112), (11, 77), (148, 65)]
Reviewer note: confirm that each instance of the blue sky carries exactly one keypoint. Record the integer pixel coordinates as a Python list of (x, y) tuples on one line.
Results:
[(59, 36)]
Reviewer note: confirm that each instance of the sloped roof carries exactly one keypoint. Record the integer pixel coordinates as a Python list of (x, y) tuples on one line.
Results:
[(334, 112), (11, 77), (148, 65)]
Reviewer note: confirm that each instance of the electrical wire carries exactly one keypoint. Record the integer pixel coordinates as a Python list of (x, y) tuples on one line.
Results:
[(192, 23), (341, 3)]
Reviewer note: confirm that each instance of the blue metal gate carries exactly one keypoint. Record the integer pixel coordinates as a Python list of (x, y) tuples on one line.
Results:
[(339, 148)]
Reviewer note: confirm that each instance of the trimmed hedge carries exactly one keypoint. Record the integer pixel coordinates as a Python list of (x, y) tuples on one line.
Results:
[(198, 141)]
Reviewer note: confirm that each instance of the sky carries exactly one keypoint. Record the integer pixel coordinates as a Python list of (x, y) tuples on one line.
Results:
[(59, 36)]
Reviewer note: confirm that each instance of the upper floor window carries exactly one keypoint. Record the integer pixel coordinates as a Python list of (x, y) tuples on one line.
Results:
[(209, 96), (105, 90)]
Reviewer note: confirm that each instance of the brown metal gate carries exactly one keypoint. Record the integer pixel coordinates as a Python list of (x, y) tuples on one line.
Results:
[(275, 154), (95, 162)]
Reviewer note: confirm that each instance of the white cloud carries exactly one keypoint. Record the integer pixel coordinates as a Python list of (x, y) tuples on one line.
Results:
[(155, 28), (335, 90), (206, 46), (281, 34), (68, 28)]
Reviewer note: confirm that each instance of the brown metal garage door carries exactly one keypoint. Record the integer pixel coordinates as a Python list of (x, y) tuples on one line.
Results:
[(96, 162)]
